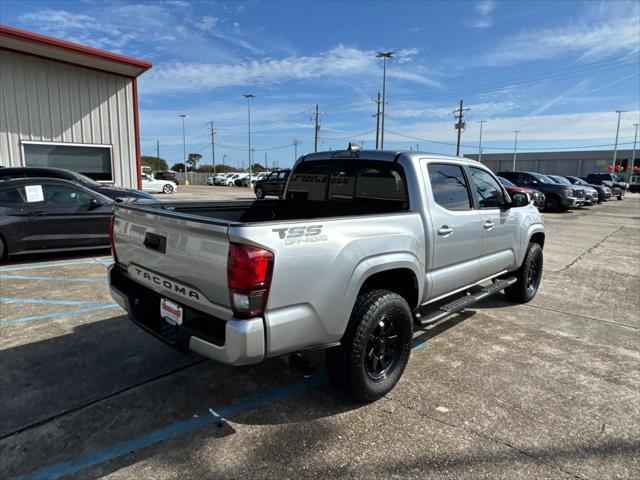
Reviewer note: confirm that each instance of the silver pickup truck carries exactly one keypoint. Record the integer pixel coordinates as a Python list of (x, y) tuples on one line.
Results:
[(364, 247)]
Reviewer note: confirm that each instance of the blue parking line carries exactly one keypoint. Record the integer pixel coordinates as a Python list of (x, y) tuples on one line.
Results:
[(208, 417), (64, 313), (55, 279), (104, 261), (48, 302)]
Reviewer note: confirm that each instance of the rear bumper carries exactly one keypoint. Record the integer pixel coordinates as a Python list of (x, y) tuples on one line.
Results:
[(231, 341)]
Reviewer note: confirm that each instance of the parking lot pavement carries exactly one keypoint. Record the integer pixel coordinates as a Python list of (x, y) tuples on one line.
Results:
[(206, 192), (550, 389)]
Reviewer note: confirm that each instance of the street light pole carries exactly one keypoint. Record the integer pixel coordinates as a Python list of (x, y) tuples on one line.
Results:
[(515, 150), (480, 144), (224, 158), (184, 149), (384, 55), (295, 150), (249, 96), (615, 148)]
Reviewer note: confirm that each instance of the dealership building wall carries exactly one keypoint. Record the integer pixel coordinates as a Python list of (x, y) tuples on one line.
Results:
[(68, 106), (577, 163)]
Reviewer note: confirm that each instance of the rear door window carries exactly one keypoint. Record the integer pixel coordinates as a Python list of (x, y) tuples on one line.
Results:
[(11, 197), (449, 186)]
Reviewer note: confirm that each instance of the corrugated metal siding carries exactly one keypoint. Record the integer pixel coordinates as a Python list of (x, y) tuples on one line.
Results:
[(45, 100)]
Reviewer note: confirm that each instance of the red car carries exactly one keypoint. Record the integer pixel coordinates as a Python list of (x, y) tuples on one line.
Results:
[(535, 195)]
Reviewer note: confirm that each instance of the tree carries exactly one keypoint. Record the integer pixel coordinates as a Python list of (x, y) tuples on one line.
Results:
[(178, 167), (193, 160), (156, 164)]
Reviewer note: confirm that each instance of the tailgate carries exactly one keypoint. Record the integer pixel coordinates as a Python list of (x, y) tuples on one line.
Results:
[(184, 259)]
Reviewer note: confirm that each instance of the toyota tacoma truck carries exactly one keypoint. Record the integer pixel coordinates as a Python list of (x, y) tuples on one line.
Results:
[(363, 248)]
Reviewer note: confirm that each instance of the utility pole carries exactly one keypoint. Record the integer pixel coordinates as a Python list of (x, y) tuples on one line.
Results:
[(384, 55), (249, 96), (615, 148), (224, 157), (157, 155), (460, 125), (266, 163), (515, 150), (633, 153), (184, 150), (295, 151), (480, 144), (377, 115), (213, 145), (317, 129)]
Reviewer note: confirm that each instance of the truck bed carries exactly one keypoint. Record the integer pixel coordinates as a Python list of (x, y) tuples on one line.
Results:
[(255, 211)]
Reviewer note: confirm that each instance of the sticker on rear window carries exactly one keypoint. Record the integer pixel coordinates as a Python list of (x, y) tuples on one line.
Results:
[(34, 193)]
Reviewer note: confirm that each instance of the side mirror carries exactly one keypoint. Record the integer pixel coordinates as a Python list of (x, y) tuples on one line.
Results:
[(520, 200), (94, 203)]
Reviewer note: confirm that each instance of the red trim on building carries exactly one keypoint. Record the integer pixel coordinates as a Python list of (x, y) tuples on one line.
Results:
[(65, 45), (136, 128)]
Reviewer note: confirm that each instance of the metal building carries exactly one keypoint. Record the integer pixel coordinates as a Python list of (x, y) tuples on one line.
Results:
[(70, 106), (578, 163)]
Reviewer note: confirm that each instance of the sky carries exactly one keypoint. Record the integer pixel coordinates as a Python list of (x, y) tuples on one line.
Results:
[(557, 71)]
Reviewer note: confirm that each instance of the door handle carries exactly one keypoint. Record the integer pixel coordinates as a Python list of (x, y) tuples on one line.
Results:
[(488, 225), (445, 230), (37, 214)]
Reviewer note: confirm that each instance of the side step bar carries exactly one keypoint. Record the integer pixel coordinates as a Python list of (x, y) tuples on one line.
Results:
[(463, 302)]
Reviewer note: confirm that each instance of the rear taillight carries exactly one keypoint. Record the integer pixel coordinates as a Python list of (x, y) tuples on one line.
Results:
[(111, 239), (249, 272)]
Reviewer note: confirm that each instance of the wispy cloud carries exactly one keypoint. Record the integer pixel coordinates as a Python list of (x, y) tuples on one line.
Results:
[(483, 9), (606, 29), (342, 63)]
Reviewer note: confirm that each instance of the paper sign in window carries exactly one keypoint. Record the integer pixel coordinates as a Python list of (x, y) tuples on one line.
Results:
[(34, 193)]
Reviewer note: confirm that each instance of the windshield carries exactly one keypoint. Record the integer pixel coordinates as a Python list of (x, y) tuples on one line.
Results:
[(541, 178), (83, 179), (579, 181), (506, 182), (561, 180)]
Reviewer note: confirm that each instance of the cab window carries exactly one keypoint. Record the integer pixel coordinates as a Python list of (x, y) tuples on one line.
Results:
[(449, 186), (486, 189)]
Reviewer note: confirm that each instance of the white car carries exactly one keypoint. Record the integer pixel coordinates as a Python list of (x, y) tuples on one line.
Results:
[(220, 178), (152, 185)]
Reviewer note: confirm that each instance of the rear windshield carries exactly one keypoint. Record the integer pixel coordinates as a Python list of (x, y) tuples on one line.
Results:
[(346, 180)]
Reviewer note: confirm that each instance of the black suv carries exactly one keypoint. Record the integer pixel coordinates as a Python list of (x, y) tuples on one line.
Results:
[(273, 184), (170, 176), (610, 180), (49, 172), (557, 197)]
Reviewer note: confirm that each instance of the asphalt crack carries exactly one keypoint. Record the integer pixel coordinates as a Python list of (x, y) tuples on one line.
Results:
[(486, 437), (589, 250)]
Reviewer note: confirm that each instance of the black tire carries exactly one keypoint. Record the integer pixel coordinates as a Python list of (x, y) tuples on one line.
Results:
[(259, 192), (620, 197), (3, 249), (529, 276), (552, 203), (167, 189), (375, 348)]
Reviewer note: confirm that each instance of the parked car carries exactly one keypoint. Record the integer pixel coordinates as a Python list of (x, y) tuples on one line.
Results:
[(610, 180), (603, 192), (153, 185), (589, 193), (634, 183), (112, 192), (50, 214), (557, 197), (215, 179), (254, 179), (366, 246), (168, 175), (273, 184), (240, 179), (536, 196), (221, 177)]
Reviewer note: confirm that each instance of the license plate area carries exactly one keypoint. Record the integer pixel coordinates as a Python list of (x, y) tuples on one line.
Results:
[(171, 312)]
